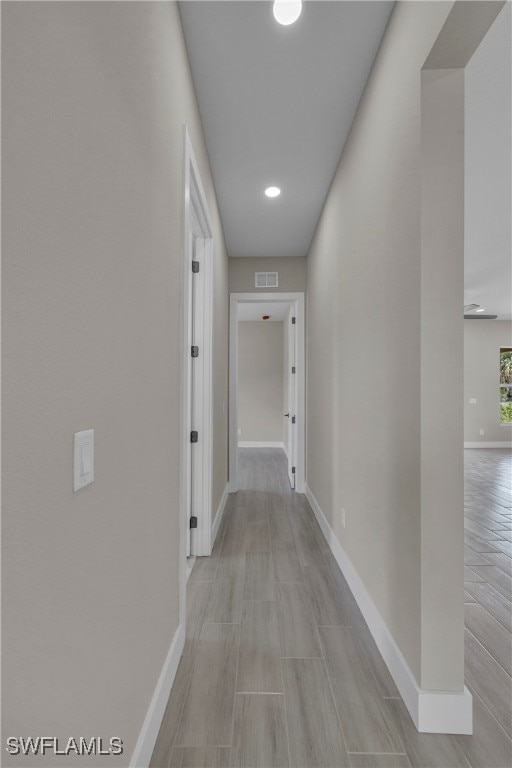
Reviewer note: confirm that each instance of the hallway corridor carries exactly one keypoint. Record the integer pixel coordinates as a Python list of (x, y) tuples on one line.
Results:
[(279, 668)]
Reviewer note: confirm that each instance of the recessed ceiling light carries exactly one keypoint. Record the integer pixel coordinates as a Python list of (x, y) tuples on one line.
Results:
[(287, 12), (480, 310), (272, 191)]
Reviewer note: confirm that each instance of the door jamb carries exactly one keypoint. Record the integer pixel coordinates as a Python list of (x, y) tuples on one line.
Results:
[(299, 305), (196, 221)]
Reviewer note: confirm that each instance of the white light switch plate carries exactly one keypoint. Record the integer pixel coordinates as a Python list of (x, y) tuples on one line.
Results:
[(83, 458)]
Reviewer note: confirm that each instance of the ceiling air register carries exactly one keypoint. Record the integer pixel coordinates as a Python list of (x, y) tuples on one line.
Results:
[(266, 280)]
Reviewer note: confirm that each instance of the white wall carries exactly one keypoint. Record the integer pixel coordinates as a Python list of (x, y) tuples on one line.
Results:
[(488, 233), (441, 491), (95, 96), (482, 342), (260, 381), (488, 183)]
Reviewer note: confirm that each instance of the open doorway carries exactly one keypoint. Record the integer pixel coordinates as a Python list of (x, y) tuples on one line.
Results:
[(267, 379)]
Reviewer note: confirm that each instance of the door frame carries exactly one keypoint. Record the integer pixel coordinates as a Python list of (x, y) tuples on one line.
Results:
[(196, 223), (298, 302), (291, 387)]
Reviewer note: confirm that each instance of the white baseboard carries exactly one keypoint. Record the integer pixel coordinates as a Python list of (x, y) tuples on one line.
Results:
[(257, 444), (504, 444), (220, 512), (431, 711), (153, 720)]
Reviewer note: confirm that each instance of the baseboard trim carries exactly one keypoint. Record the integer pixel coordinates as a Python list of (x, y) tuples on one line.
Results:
[(504, 444), (257, 444), (431, 711), (220, 513), (190, 566), (149, 732)]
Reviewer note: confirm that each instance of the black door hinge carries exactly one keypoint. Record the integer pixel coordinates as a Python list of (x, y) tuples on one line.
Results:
[(194, 436), (294, 320), (195, 267), (193, 522), (293, 419), (293, 470), (195, 351), (293, 369)]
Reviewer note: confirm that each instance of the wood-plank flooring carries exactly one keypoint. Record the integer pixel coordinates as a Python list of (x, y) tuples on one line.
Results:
[(279, 668), (488, 593)]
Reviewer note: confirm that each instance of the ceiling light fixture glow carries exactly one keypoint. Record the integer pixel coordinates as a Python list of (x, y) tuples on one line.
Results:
[(272, 191), (287, 12), (480, 310)]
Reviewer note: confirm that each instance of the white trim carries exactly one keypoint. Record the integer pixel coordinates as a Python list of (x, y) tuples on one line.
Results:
[(220, 513), (431, 711), (299, 307), (257, 444), (233, 396), (149, 732), (504, 444)]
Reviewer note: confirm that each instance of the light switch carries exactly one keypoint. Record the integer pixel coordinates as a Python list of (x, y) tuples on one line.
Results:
[(472, 400), (85, 449), (83, 459)]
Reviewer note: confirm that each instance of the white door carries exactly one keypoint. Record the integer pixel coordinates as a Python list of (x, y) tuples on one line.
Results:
[(292, 397), (189, 484), (197, 372)]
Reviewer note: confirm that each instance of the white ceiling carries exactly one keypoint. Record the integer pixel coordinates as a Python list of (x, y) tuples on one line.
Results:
[(277, 104), (255, 310)]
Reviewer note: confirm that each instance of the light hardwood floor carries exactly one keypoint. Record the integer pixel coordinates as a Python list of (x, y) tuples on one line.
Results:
[(279, 668)]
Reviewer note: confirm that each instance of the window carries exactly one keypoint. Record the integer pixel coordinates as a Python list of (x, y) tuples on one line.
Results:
[(506, 385)]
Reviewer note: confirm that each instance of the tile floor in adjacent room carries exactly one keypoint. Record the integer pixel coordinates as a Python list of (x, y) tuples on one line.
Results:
[(279, 667)]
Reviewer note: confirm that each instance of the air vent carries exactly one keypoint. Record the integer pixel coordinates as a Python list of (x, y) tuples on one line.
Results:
[(266, 280)]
